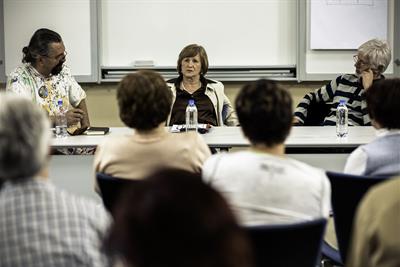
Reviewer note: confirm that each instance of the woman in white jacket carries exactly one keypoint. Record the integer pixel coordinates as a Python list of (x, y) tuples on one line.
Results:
[(213, 106)]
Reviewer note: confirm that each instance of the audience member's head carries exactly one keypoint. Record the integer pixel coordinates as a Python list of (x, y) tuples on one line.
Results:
[(375, 55), (39, 45), (383, 103), (193, 50), (24, 138), (174, 219), (265, 112), (144, 100)]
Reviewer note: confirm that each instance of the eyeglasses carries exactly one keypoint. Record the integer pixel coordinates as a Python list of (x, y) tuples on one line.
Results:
[(360, 61), (63, 55)]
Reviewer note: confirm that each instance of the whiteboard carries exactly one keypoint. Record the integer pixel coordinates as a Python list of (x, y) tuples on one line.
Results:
[(70, 18), (233, 32), (327, 64), (345, 24)]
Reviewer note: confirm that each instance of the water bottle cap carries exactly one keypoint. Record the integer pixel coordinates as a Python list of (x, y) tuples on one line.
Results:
[(59, 102), (342, 101), (191, 102)]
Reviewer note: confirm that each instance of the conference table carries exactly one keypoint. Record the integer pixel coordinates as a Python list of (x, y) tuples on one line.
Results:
[(317, 146)]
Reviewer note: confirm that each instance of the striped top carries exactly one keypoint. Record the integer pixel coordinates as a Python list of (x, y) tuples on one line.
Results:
[(347, 87)]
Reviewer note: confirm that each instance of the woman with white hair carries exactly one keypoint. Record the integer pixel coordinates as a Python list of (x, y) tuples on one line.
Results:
[(371, 61), (24, 138), (40, 225)]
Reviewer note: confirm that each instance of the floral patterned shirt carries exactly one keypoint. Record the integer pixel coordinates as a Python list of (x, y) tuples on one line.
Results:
[(25, 80)]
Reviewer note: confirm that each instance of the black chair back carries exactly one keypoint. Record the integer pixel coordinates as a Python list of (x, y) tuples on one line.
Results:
[(111, 189), (286, 245), (347, 192)]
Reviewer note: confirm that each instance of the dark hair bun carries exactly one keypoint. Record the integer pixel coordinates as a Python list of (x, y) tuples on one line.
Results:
[(25, 50)]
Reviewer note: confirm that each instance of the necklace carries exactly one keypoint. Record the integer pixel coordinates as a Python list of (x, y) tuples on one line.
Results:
[(197, 86), (43, 90)]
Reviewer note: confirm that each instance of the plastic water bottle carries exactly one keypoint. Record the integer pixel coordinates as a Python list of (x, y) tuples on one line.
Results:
[(342, 121), (61, 120), (191, 116)]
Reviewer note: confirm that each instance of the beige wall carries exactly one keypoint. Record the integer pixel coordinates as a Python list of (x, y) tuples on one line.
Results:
[(103, 109), (102, 104)]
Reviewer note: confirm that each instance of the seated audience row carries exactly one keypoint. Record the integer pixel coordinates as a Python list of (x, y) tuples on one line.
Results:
[(261, 185), (249, 179), (172, 219)]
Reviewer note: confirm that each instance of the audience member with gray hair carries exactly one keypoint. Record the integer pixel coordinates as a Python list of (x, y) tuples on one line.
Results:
[(24, 138), (40, 225), (371, 60)]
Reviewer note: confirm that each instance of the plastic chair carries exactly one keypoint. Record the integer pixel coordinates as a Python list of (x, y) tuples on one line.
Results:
[(347, 192), (111, 189), (295, 244)]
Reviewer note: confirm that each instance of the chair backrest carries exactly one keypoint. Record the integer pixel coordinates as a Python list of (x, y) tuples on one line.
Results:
[(111, 188), (347, 192), (295, 244)]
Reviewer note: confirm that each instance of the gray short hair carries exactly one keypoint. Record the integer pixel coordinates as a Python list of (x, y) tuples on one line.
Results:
[(24, 138), (378, 53)]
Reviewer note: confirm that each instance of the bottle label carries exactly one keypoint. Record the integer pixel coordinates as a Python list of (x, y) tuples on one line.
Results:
[(341, 121)]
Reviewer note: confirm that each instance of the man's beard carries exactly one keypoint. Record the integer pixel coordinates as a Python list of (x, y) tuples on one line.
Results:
[(58, 68)]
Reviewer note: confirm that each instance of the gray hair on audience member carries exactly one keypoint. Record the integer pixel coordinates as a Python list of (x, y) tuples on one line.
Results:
[(24, 138), (378, 53)]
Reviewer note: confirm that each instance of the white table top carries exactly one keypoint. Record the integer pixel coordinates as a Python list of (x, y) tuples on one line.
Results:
[(300, 137)]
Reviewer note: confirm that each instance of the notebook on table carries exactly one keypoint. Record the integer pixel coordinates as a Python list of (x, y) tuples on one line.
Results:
[(96, 131)]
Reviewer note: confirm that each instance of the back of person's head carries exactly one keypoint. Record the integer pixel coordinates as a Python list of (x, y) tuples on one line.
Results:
[(383, 103), (378, 54), (39, 45), (144, 100), (24, 138), (265, 112), (174, 219), (193, 50)]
